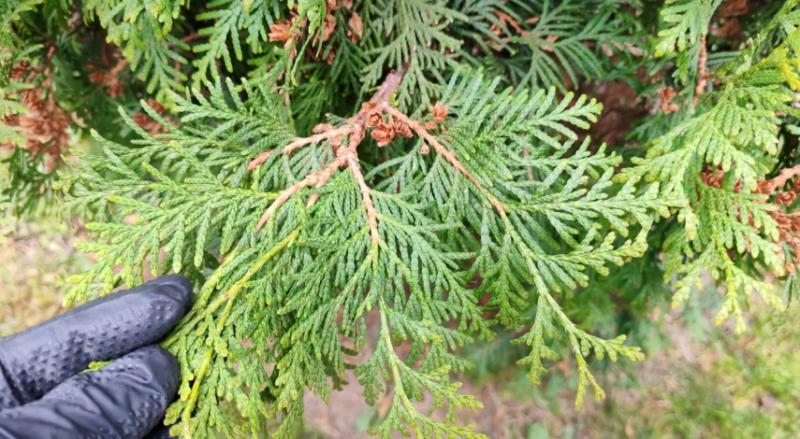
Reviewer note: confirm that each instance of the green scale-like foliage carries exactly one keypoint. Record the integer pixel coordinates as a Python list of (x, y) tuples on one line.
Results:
[(301, 290), (501, 220)]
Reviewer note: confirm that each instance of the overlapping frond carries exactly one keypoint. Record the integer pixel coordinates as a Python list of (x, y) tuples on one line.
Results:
[(564, 40), (231, 22), (683, 24), (419, 44), (714, 163), (144, 32)]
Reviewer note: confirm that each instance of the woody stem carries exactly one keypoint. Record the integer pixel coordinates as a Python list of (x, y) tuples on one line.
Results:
[(314, 178), (372, 214)]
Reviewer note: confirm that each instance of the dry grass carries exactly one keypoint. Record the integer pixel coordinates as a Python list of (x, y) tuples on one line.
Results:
[(35, 257)]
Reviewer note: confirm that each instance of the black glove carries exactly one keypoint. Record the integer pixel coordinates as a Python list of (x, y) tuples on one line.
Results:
[(43, 393)]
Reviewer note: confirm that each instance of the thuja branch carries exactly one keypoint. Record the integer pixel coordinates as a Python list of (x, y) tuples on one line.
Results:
[(208, 309), (228, 298), (372, 115)]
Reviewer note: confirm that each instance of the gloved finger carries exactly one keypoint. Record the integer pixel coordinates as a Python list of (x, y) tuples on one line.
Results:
[(160, 432), (126, 399), (34, 361)]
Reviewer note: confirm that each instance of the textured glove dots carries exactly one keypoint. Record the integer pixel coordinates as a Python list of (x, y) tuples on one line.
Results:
[(45, 394)]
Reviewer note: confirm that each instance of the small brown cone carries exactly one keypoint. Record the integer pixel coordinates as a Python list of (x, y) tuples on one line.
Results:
[(383, 134), (439, 112)]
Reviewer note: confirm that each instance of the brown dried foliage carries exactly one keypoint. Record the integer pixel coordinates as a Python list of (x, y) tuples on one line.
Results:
[(281, 31), (329, 27), (728, 25), (383, 133), (702, 71), (506, 22), (109, 79), (733, 8), (788, 222), (728, 28), (402, 129), (665, 97), (356, 27), (439, 112), (45, 124), (789, 232), (712, 177)]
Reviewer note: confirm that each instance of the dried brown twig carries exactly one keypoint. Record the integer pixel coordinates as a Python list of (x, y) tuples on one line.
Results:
[(353, 128), (45, 124), (315, 178), (372, 115)]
